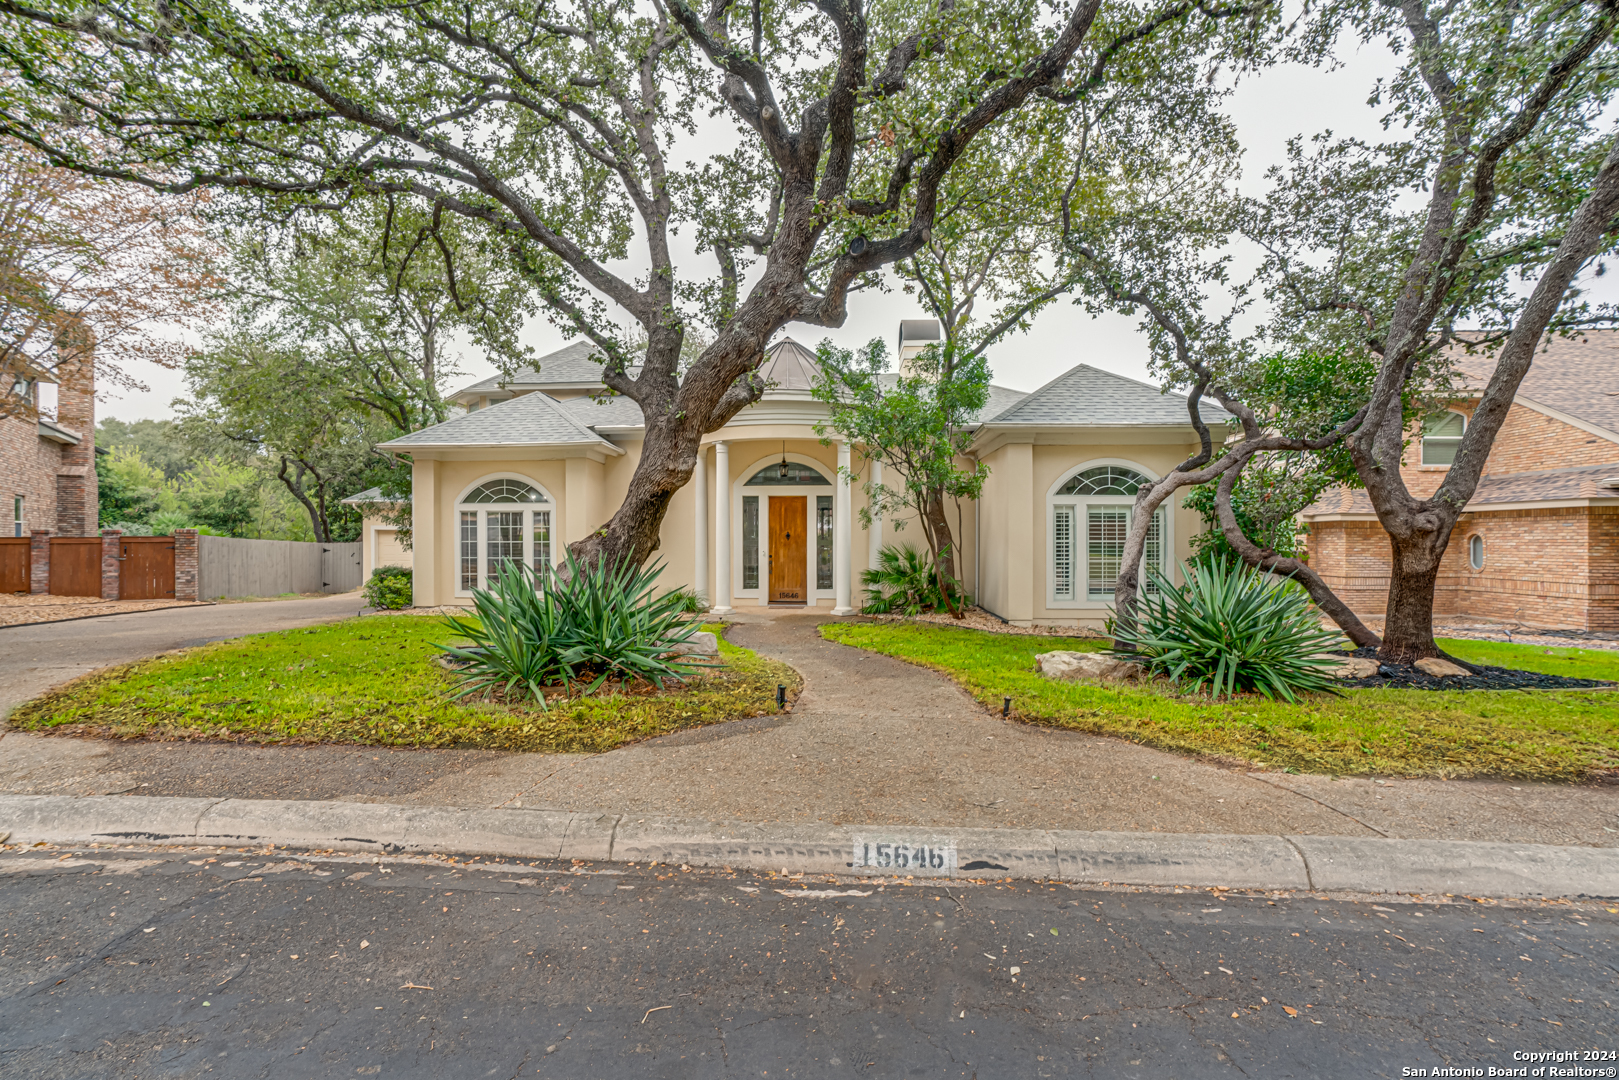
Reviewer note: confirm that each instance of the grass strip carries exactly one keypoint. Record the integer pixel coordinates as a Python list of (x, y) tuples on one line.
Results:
[(374, 682), (1563, 735)]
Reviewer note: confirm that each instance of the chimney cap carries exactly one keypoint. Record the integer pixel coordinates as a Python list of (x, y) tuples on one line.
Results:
[(918, 330)]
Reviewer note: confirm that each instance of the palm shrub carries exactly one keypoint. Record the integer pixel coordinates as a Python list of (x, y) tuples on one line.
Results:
[(578, 632), (1233, 629), (904, 583), (388, 588)]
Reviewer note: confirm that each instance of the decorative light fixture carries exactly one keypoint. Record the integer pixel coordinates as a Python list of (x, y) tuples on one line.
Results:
[(781, 470)]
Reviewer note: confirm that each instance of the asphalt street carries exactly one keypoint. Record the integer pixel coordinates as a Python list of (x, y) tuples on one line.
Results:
[(166, 963)]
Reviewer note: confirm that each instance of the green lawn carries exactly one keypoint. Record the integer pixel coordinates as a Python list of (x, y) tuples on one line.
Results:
[(1543, 735), (373, 681)]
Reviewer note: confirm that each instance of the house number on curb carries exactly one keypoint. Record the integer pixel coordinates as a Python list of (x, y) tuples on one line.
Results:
[(929, 857)]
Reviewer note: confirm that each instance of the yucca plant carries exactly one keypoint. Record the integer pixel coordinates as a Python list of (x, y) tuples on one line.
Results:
[(599, 624), (618, 629), (1232, 629), (904, 583)]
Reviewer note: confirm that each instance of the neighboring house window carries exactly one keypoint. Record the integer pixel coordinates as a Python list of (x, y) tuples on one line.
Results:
[(1090, 519), (1475, 552), (16, 515), (500, 521), (23, 387), (1442, 437)]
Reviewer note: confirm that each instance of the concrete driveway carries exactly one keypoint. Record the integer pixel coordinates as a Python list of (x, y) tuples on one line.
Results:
[(36, 657)]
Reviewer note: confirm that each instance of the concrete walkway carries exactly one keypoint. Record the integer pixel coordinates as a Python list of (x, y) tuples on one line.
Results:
[(872, 740)]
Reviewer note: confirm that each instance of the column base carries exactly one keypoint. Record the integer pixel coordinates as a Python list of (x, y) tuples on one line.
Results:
[(722, 610), (843, 611)]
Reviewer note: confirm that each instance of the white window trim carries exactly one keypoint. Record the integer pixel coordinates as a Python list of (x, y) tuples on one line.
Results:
[(1080, 504), (1422, 441), (1482, 553), (550, 506), (761, 595)]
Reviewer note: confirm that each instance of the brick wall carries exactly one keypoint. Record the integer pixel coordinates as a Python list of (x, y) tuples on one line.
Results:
[(39, 561), (28, 467), (77, 497), (1555, 567), (111, 564), (185, 564), (1527, 442)]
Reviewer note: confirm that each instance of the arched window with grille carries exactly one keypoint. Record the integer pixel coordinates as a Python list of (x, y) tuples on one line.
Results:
[(507, 519), (1089, 514)]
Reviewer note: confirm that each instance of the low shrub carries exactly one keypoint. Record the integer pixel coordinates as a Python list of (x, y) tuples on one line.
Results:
[(1232, 629), (903, 583), (578, 631), (388, 588)]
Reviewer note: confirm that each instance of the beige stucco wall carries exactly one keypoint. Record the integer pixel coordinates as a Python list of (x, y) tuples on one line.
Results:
[(1014, 563), (380, 546)]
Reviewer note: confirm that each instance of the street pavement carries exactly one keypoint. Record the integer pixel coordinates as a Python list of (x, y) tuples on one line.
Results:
[(226, 964)]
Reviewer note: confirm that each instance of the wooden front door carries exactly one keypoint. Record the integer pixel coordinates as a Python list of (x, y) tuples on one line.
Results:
[(788, 549), (147, 572)]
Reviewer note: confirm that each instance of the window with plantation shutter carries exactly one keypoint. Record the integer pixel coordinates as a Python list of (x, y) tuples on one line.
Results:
[(1062, 549)]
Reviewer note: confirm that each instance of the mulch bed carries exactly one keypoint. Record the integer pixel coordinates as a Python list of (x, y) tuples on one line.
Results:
[(1406, 677)]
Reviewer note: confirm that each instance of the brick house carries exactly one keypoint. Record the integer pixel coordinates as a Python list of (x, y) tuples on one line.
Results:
[(1539, 542), (47, 465)]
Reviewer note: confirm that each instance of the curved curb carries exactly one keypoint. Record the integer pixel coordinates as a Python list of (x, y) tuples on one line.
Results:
[(1336, 863)]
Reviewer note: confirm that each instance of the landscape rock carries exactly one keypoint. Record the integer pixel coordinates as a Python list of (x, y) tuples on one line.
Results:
[(1439, 669), (1085, 665), (1354, 667), (702, 643)]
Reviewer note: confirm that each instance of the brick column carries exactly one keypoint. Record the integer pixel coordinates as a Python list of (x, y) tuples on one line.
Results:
[(185, 564), (39, 561), (111, 564)]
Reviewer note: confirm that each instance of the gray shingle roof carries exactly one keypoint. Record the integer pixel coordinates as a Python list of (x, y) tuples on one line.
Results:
[(613, 412), (569, 365), (532, 419), (1087, 396), (1001, 398), (1542, 485)]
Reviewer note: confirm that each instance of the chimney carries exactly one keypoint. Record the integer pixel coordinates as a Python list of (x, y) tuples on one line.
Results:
[(916, 335), (77, 495)]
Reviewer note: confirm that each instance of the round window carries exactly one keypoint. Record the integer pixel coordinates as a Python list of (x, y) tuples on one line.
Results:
[(1475, 552)]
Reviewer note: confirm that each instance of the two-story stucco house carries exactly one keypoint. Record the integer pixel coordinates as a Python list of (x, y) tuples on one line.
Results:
[(1539, 542), (539, 460)]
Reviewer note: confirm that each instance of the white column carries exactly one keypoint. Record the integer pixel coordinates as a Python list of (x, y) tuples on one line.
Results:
[(722, 530), (842, 534), (876, 537), (699, 581)]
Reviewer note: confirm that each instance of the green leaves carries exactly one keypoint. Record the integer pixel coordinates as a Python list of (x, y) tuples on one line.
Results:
[(1231, 629), (905, 582), (602, 624)]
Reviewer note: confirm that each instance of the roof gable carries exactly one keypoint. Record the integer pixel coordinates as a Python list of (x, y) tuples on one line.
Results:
[(1577, 376), (528, 420), (1084, 396)]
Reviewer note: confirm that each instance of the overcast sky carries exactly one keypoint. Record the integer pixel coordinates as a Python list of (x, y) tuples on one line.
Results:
[(1268, 110)]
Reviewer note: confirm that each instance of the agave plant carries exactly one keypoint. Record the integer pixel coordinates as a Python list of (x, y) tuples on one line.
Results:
[(598, 624), (1232, 629), (903, 583)]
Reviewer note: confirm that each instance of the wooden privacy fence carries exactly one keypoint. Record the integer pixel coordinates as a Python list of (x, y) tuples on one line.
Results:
[(146, 568), (227, 566), (14, 564), (76, 566)]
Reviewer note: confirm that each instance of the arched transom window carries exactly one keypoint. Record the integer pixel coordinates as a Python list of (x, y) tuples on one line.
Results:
[(1089, 521), (502, 520), (788, 472)]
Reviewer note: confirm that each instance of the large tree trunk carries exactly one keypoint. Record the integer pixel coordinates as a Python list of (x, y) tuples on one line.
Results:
[(1413, 573)]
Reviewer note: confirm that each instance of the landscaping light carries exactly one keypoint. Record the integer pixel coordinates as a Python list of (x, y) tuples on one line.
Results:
[(1006, 708), (781, 696)]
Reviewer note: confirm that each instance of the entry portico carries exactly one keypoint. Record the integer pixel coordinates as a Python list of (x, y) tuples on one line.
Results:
[(771, 516)]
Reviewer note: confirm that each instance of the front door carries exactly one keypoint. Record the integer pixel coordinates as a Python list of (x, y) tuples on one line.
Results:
[(788, 549)]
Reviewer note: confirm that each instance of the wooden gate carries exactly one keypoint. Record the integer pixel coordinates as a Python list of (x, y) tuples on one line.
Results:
[(147, 569), (75, 566), (14, 575)]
